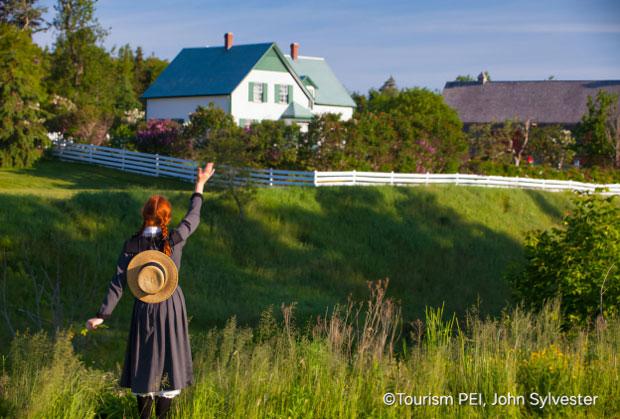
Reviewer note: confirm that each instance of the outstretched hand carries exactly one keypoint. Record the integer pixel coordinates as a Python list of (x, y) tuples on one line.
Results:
[(203, 176), (92, 324)]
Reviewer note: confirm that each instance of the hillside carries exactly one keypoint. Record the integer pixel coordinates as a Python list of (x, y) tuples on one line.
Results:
[(63, 225)]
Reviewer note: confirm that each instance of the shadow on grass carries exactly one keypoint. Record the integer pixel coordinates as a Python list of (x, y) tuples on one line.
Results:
[(318, 256), (542, 200), (310, 246)]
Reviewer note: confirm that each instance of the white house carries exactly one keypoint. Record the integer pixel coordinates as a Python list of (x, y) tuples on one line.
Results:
[(251, 82)]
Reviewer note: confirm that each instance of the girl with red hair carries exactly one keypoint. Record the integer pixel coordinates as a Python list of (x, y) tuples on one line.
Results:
[(158, 361)]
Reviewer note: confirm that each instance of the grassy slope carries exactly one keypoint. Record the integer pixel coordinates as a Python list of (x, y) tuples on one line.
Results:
[(63, 224)]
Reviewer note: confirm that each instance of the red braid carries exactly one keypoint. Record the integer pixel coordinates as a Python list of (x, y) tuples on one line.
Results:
[(164, 231), (157, 212)]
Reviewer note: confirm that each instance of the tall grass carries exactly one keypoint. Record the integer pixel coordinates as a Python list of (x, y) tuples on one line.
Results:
[(341, 365)]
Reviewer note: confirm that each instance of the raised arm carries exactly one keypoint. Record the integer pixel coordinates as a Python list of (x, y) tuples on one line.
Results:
[(190, 222)]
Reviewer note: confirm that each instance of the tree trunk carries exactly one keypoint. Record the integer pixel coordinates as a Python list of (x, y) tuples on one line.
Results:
[(526, 138)]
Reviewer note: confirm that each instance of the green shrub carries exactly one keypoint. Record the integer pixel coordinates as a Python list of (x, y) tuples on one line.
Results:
[(579, 262)]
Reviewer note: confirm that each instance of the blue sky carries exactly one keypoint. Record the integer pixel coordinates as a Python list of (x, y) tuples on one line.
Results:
[(419, 43)]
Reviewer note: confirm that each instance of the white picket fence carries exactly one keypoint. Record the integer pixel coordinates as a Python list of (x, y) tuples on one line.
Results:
[(156, 165)]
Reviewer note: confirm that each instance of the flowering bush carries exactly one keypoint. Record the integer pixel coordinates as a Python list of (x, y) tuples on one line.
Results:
[(159, 136)]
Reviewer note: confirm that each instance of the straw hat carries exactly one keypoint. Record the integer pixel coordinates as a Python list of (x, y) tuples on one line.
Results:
[(152, 276)]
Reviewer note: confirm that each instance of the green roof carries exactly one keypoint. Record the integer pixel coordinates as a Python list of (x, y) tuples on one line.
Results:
[(206, 71), (329, 89), (210, 71), (297, 111)]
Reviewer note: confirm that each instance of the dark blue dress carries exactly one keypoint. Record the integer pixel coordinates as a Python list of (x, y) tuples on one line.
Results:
[(158, 355)]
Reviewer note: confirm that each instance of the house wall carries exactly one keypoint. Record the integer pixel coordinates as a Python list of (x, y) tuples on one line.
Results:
[(345, 112), (181, 107), (242, 108)]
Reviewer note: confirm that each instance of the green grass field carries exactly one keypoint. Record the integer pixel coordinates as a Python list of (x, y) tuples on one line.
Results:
[(63, 226)]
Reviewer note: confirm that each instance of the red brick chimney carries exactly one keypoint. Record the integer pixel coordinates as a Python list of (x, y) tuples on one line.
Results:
[(294, 51), (228, 40)]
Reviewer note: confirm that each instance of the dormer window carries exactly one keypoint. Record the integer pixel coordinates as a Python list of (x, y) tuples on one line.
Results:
[(311, 90)]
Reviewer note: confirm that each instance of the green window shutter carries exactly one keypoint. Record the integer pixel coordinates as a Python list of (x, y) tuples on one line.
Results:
[(241, 122), (251, 92), (276, 96), (290, 93), (265, 91)]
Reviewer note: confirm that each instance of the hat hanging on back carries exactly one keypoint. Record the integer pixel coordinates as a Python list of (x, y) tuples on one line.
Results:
[(152, 276)]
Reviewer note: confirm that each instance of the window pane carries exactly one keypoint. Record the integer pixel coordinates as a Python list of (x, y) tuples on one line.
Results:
[(258, 92)]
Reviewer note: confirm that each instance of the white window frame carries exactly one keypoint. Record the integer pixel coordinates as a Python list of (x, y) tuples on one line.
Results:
[(257, 93), (283, 93)]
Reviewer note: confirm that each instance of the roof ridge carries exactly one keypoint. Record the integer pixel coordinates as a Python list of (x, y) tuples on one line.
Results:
[(307, 57), (234, 46)]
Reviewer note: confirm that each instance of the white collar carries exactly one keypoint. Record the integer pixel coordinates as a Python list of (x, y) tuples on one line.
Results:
[(151, 231)]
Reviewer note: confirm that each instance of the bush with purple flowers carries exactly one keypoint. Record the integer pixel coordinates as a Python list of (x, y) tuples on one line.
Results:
[(159, 136)]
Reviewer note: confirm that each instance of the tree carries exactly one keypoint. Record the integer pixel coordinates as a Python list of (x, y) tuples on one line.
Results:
[(125, 94), (491, 142), (215, 137), (272, 144), (389, 87), (80, 72), (505, 142), (520, 140), (430, 134), (552, 145), (24, 14), (324, 146), (465, 78), (579, 262), (598, 133), (21, 121), (146, 70), (372, 142)]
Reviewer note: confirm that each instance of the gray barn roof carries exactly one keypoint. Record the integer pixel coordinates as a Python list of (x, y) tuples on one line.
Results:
[(545, 102)]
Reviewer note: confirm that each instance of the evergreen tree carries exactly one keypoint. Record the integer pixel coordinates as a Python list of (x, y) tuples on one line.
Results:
[(81, 72), (125, 94), (153, 66), (24, 14), (21, 128)]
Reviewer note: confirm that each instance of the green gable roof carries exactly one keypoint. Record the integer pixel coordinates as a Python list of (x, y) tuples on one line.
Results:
[(297, 111), (272, 61), (329, 89), (207, 71)]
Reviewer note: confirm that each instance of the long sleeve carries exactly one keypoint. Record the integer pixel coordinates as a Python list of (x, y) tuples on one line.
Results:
[(190, 222), (116, 287)]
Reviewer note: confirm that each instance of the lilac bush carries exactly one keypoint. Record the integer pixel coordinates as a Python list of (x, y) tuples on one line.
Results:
[(159, 136)]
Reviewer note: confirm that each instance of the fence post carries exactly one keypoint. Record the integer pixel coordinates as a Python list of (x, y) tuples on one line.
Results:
[(426, 180), (157, 165), (354, 177), (90, 153), (122, 159), (570, 185), (392, 177), (271, 176), (457, 179), (314, 182)]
